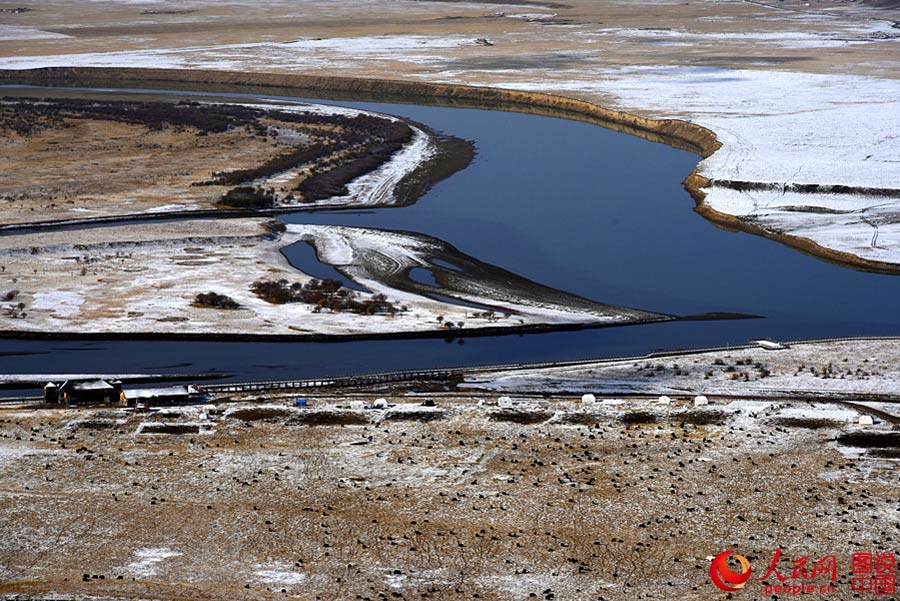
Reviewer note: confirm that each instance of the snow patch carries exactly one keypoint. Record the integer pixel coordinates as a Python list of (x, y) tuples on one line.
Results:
[(18, 32), (60, 302), (148, 560), (278, 574)]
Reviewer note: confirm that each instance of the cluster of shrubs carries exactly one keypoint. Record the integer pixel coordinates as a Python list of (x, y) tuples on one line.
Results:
[(213, 300), (29, 115), (155, 115), (13, 310), (277, 164), (24, 122), (735, 373), (364, 144), (248, 197), (325, 294), (361, 160), (367, 125)]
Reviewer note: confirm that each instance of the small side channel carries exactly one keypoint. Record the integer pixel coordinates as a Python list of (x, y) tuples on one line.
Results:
[(302, 255)]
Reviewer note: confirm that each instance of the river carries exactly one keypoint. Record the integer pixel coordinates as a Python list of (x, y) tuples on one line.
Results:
[(570, 205)]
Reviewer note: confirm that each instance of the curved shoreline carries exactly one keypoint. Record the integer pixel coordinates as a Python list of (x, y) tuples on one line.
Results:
[(695, 183), (387, 330), (678, 133), (690, 136)]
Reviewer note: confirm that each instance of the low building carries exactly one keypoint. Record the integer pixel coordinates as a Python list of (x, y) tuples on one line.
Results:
[(51, 393), (89, 392), (168, 395)]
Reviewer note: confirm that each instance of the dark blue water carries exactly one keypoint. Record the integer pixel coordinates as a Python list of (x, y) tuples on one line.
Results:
[(423, 276), (303, 256), (570, 205)]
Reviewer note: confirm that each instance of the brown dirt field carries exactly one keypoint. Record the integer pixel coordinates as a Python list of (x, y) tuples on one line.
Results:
[(461, 507), (96, 168), (73, 165)]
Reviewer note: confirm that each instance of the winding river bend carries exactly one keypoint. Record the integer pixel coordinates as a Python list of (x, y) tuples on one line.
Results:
[(570, 205)]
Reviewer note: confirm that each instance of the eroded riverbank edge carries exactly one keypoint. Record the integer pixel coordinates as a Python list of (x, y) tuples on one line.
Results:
[(681, 134)]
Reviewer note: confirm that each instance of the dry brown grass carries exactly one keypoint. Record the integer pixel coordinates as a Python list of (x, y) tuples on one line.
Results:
[(106, 168)]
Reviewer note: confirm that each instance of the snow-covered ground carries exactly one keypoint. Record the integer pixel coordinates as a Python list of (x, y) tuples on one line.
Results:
[(296, 54), (782, 128), (144, 278), (866, 226), (377, 187), (863, 367), (412, 505), (19, 33), (147, 561), (381, 260)]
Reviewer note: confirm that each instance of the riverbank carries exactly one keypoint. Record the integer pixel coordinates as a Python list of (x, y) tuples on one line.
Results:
[(682, 133), (135, 260), (858, 370), (698, 187), (749, 291), (850, 369)]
